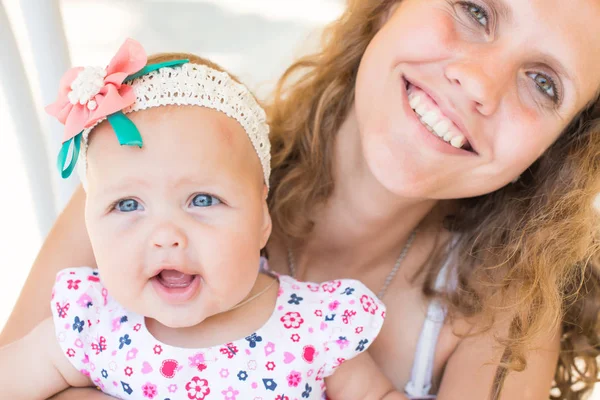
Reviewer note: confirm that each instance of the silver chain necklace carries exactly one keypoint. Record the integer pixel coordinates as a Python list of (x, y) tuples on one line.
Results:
[(388, 279)]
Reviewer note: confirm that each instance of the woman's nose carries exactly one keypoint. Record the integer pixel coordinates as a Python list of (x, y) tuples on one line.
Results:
[(481, 84)]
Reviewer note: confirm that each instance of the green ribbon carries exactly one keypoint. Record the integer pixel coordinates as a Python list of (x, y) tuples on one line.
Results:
[(64, 152), (153, 67), (126, 131)]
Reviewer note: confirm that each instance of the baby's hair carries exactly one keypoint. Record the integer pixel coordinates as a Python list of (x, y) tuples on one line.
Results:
[(194, 59)]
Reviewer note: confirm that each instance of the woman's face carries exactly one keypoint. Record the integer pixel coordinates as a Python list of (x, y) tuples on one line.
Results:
[(455, 99)]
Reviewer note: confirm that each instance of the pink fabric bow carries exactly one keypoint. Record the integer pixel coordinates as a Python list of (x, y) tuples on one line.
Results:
[(109, 97)]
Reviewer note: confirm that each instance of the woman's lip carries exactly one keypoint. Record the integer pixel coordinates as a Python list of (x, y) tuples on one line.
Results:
[(447, 111)]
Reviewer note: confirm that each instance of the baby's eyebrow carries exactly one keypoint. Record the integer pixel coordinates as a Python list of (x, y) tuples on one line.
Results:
[(125, 184)]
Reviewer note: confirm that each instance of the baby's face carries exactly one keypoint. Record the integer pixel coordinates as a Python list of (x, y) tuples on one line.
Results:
[(177, 225)]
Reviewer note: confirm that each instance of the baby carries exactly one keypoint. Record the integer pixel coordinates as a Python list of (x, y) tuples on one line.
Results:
[(178, 307)]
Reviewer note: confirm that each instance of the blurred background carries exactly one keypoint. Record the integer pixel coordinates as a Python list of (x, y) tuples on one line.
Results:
[(40, 39)]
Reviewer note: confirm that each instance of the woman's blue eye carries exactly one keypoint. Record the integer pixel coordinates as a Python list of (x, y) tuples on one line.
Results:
[(477, 13), (546, 85), (128, 205), (205, 200)]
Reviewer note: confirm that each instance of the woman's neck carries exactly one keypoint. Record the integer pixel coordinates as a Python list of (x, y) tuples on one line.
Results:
[(362, 222)]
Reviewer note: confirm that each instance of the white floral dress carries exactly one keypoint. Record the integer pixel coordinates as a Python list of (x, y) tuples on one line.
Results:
[(312, 330)]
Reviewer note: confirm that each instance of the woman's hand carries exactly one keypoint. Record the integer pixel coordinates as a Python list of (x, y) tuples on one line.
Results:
[(470, 371)]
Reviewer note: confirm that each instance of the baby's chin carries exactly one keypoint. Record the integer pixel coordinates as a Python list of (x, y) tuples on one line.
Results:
[(176, 320)]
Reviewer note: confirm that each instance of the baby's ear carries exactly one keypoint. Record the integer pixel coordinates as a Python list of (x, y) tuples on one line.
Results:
[(267, 225)]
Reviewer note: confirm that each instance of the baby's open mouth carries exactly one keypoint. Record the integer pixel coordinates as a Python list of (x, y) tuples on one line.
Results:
[(174, 279), (176, 287)]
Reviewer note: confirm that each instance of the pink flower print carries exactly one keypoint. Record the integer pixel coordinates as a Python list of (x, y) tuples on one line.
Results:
[(116, 324), (62, 309), (251, 365), (70, 353), (358, 330), (331, 287), (282, 397), (368, 304), (84, 301), (339, 362), (230, 393), (230, 350), (270, 365), (197, 388), (100, 346), (196, 360), (99, 383), (137, 327), (295, 338), (157, 349), (294, 378), (149, 390), (292, 320), (342, 342), (334, 305), (320, 374), (224, 373), (73, 284), (131, 354), (128, 371), (347, 316), (313, 288), (172, 388), (269, 349), (318, 313)]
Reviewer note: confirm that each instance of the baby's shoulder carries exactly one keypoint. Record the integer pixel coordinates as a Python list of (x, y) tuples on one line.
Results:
[(332, 298)]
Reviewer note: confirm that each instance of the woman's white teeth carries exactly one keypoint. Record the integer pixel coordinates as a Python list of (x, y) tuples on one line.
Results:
[(436, 123), (414, 102), (430, 118), (421, 109), (458, 141), (441, 128)]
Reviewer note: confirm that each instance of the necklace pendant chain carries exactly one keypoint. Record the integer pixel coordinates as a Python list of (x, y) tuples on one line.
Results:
[(390, 277)]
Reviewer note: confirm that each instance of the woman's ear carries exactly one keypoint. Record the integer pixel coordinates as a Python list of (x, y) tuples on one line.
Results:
[(267, 224)]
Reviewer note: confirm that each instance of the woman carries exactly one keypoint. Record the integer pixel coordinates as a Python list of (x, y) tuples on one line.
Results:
[(455, 144)]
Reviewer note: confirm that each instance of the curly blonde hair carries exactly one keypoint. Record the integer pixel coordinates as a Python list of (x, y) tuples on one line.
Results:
[(529, 249)]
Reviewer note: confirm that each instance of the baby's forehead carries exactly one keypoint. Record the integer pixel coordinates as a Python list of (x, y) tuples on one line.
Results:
[(195, 138), (178, 123)]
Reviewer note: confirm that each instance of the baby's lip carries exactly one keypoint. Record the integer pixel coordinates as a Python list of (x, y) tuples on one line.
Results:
[(179, 288), (172, 267)]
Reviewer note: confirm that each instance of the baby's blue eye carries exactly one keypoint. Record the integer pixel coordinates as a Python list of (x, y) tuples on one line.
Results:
[(128, 205), (205, 200)]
